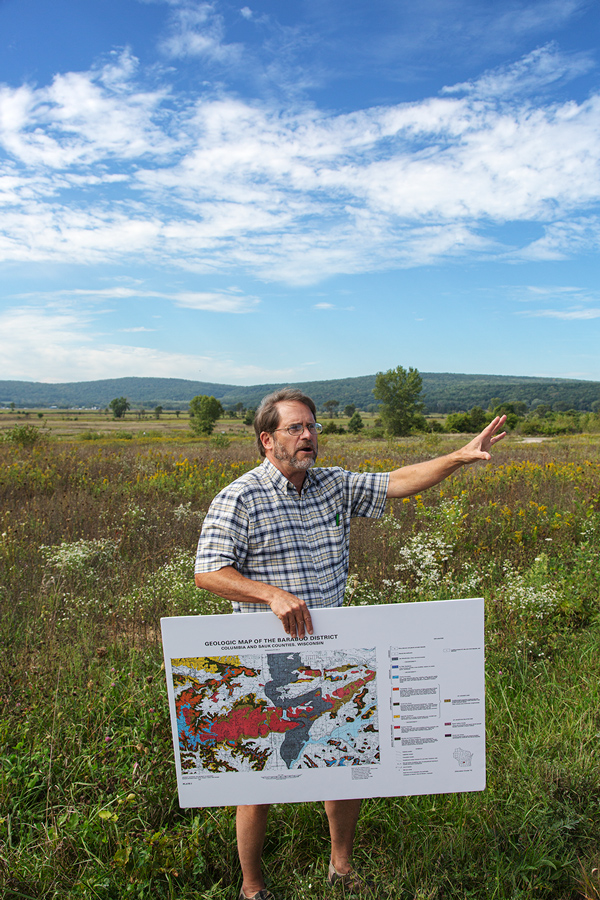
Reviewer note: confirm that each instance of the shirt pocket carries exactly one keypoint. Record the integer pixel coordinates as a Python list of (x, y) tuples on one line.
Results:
[(327, 543)]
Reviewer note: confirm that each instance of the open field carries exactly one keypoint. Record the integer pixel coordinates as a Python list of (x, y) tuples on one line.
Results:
[(94, 424), (96, 544)]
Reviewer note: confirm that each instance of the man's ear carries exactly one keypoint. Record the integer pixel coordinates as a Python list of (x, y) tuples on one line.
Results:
[(266, 439)]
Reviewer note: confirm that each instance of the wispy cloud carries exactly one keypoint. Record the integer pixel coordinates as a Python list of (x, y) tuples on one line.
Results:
[(41, 345), (232, 301), (215, 302), (332, 306), (569, 302), (220, 184), (563, 313), (580, 234), (418, 33), (540, 69), (140, 329), (197, 30)]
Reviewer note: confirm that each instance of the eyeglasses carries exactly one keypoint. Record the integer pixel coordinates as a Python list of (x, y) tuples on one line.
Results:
[(298, 428)]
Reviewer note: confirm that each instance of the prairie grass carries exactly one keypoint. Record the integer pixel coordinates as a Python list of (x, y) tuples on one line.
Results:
[(96, 544)]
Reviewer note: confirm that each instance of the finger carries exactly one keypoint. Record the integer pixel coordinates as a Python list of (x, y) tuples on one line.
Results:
[(293, 632), (308, 621), (304, 622)]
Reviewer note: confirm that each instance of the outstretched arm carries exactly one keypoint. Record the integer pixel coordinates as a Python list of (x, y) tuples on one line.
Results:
[(411, 479)]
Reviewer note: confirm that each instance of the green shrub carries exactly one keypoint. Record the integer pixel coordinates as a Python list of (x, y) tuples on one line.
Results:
[(356, 424), (25, 435), (219, 441), (90, 436)]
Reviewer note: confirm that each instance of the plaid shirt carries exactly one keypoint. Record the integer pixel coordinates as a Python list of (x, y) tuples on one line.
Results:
[(262, 527)]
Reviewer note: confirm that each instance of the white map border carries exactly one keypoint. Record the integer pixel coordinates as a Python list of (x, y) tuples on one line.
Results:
[(430, 688)]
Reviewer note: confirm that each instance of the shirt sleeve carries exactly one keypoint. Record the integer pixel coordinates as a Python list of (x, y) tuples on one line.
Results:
[(224, 536), (368, 493)]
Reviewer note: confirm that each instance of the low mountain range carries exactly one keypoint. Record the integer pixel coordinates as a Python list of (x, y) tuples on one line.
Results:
[(442, 392)]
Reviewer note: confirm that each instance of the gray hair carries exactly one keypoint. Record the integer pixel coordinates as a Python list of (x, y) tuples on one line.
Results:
[(267, 416)]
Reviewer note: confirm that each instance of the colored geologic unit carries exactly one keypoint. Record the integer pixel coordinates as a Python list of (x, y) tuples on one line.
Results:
[(264, 711)]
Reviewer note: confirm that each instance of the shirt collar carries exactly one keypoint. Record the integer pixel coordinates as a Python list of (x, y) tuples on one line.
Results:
[(280, 481)]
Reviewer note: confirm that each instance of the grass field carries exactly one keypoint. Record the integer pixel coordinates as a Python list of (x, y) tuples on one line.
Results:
[(96, 544)]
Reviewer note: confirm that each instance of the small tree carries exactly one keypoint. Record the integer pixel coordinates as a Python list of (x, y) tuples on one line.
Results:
[(349, 410), (204, 412), (508, 410), (356, 423), (399, 391), (330, 407), (119, 407), (459, 423), (478, 418), (158, 412), (249, 417)]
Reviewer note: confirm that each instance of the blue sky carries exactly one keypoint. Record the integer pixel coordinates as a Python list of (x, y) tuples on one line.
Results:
[(297, 191)]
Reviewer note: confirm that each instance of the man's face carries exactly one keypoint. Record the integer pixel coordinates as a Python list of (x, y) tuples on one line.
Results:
[(292, 452)]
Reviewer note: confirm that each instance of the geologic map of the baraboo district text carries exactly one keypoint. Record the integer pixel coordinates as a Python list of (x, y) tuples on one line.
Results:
[(277, 711)]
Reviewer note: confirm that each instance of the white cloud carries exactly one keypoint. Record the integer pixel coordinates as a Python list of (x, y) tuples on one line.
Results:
[(563, 238), (550, 293), (582, 302), (196, 29), (532, 17), (567, 314), (540, 69), (231, 301), (536, 291), (139, 330), (53, 347), (332, 306), (99, 169), (216, 302), (82, 117)]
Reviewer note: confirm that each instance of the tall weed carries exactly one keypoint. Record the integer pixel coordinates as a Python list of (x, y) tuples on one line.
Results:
[(97, 543)]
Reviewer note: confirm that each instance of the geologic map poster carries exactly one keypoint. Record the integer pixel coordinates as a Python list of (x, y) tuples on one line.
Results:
[(379, 701)]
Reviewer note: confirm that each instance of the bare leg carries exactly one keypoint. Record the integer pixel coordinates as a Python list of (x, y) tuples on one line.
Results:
[(251, 825), (343, 816)]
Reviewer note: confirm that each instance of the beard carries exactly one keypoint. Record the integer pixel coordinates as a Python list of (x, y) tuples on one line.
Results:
[(280, 453)]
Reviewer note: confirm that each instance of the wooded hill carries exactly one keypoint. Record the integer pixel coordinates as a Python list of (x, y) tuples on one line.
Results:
[(442, 392)]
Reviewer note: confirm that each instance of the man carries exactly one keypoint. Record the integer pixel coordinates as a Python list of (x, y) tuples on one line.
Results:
[(278, 538)]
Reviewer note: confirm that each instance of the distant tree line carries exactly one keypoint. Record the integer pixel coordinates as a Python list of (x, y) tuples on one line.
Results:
[(401, 412), (441, 393)]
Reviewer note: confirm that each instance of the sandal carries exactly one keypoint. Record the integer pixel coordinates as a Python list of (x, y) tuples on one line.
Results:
[(351, 882), (260, 895)]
